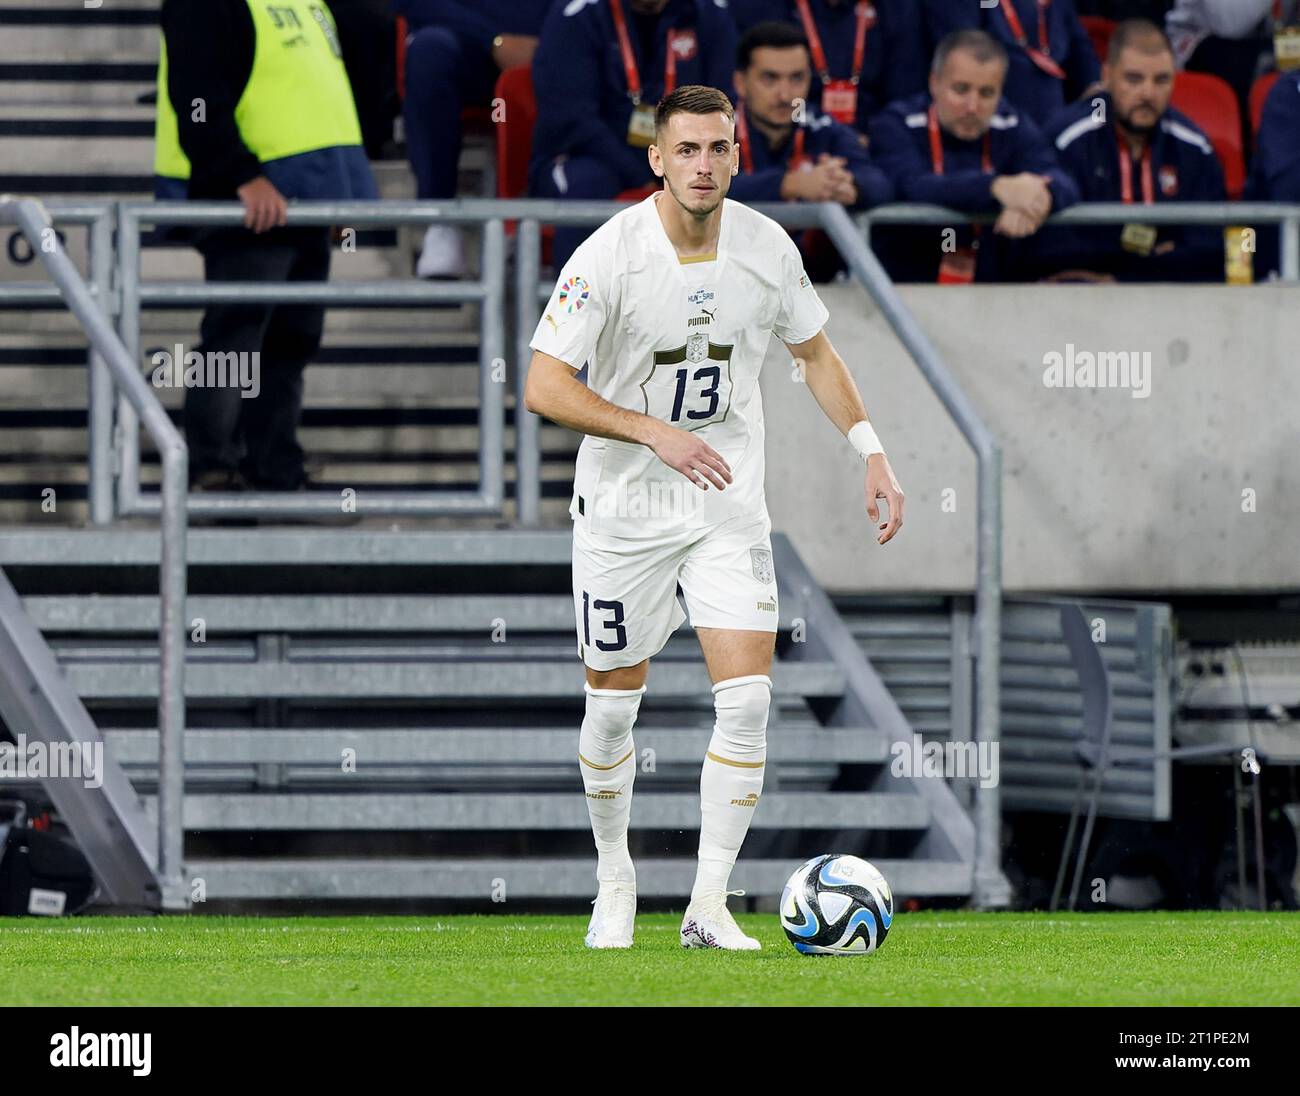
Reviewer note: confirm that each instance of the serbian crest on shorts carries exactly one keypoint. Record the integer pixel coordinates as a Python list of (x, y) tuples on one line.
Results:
[(761, 559)]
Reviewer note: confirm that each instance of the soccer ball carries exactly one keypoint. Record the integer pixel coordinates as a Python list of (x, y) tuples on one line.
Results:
[(836, 905)]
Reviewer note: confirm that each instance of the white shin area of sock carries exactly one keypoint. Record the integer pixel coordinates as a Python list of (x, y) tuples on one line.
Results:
[(607, 758), (731, 779)]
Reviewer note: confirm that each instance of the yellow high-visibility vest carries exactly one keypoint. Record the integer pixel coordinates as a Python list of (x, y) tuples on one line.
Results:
[(297, 99)]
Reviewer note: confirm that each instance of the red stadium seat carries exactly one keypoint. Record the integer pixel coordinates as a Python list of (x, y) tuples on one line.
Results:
[(515, 137), (1099, 30), (1212, 104), (1258, 95), (515, 132)]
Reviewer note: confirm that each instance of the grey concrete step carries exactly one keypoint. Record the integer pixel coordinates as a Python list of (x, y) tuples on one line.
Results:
[(405, 613), (551, 811), (124, 546), (527, 878), (78, 40), (385, 680), (801, 741)]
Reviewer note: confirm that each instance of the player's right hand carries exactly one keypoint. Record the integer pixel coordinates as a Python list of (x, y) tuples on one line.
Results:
[(692, 456)]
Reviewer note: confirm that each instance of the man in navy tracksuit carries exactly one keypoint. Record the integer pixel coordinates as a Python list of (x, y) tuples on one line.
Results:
[(865, 53), (965, 147), (455, 52), (1053, 61), (600, 69), (795, 156), (1128, 145), (1275, 174)]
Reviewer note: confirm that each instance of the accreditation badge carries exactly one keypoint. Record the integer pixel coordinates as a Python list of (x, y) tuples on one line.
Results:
[(1139, 239), (840, 100), (641, 126), (1286, 47)]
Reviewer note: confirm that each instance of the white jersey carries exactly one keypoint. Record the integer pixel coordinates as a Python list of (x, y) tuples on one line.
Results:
[(682, 340)]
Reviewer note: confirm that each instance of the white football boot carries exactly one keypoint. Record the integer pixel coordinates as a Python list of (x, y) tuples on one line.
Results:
[(710, 925), (612, 918)]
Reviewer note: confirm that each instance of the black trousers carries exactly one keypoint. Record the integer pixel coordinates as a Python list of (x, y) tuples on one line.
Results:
[(258, 436)]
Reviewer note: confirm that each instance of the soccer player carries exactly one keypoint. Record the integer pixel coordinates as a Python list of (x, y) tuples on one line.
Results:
[(671, 304)]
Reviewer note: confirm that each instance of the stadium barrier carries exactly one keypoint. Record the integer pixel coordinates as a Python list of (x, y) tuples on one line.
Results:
[(1285, 217), (112, 364)]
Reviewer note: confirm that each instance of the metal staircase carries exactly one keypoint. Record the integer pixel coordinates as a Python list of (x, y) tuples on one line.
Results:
[(380, 714)]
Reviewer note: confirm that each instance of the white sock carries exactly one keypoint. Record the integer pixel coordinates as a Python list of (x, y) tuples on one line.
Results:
[(607, 758), (731, 779)]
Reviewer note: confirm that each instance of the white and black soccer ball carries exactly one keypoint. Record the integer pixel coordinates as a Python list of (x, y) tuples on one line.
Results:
[(836, 905)]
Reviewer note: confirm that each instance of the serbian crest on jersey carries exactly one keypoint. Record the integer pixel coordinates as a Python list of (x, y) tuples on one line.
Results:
[(697, 348), (761, 559), (1169, 181)]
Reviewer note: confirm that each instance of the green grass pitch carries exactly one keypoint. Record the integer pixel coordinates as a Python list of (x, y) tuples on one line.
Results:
[(933, 958)]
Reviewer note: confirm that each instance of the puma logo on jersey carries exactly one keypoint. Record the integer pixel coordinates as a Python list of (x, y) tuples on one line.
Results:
[(701, 321), (555, 327)]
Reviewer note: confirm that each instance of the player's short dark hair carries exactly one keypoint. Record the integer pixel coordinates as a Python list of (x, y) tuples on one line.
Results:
[(693, 99), (769, 35), (1140, 34), (983, 47)]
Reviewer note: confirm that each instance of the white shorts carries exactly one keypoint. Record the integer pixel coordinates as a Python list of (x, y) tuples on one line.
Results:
[(625, 589)]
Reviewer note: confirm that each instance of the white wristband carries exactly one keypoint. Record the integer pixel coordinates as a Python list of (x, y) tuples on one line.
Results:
[(864, 440)]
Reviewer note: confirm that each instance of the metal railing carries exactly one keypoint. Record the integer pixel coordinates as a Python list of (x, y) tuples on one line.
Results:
[(488, 291), (1286, 217), (118, 365)]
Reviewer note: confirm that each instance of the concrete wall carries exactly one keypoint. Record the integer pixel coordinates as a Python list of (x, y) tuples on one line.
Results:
[(1102, 490)]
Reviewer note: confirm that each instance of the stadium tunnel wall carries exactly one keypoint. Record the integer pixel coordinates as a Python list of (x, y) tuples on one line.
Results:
[(1102, 490)]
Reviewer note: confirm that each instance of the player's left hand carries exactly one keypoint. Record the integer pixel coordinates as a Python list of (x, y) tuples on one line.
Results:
[(881, 484)]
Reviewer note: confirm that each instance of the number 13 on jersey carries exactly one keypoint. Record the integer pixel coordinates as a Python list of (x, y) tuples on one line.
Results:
[(691, 385)]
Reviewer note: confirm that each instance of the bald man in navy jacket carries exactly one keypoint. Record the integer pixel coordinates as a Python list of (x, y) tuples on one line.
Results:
[(963, 146), (1053, 61)]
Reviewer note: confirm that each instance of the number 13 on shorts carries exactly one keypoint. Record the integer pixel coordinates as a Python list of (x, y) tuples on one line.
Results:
[(611, 635)]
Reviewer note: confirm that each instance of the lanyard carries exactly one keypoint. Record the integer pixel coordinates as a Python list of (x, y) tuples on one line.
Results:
[(936, 147), (866, 19), (747, 156), (1126, 175), (630, 70), (1042, 55)]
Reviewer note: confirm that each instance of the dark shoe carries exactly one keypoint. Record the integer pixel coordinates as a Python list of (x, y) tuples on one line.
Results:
[(219, 479)]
